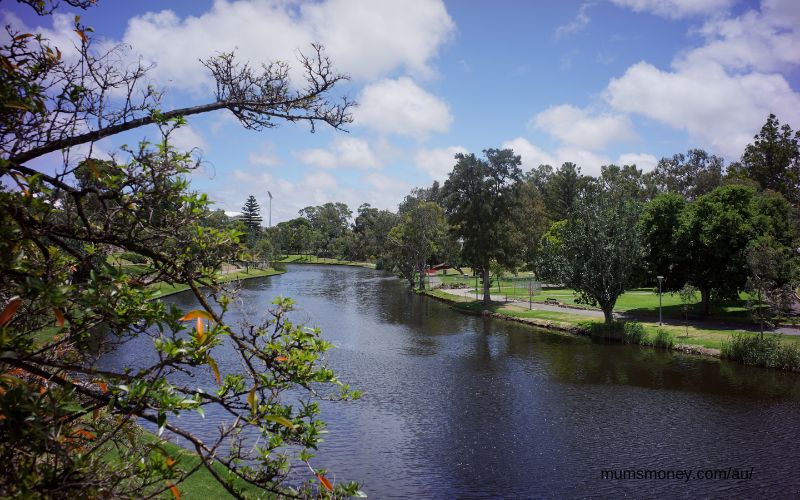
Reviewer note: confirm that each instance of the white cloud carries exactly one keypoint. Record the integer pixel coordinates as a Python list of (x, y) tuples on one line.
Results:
[(675, 9), (714, 107), (765, 40), (643, 161), (385, 184), (364, 39), (581, 20), (579, 128), (265, 156), (314, 188), (533, 156), (185, 138), (402, 107), (722, 91), (437, 162), (347, 152)]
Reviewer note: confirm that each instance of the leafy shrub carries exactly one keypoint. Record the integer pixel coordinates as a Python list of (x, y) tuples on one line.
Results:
[(751, 349), (633, 333), (133, 257), (663, 340), (768, 351)]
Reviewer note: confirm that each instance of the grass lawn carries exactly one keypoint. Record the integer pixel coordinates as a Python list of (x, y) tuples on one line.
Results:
[(163, 289), (702, 337), (639, 301), (313, 259)]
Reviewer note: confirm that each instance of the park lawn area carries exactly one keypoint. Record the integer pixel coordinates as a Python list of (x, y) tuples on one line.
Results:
[(313, 259), (638, 301), (163, 289), (702, 337)]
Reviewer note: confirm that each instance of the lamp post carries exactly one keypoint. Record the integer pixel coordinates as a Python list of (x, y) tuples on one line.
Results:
[(660, 279)]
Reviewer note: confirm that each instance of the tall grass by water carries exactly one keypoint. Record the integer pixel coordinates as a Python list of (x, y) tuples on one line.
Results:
[(767, 351)]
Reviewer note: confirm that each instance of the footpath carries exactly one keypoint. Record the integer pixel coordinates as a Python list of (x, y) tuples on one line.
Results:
[(594, 313)]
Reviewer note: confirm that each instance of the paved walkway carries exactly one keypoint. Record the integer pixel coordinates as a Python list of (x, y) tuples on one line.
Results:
[(707, 324)]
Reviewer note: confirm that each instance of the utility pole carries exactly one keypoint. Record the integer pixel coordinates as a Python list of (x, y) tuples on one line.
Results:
[(270, 208)]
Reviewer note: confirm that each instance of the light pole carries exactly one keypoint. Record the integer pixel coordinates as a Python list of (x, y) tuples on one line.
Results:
[(660, 279), (270, 208)]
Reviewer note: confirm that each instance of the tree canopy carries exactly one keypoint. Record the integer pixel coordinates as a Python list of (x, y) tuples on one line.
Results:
[(64, 304)]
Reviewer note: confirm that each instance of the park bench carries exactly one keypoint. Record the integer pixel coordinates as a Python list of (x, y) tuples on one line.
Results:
[(551, 301)]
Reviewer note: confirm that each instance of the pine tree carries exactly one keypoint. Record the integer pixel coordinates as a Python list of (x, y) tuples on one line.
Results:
[(251, 214)]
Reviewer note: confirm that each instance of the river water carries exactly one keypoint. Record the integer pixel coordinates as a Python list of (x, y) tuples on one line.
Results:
[(463, 406)]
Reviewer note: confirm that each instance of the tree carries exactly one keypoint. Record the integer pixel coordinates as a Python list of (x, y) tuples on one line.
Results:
[(601, 249), (691, 175), (772, 272), (665, 253), (562, 189), (687, 295), (251, 215), (416, 238), (371, 228), (479, 196), (330, 222), (716, 229), (773, 160), (626, 181), (61, 415)]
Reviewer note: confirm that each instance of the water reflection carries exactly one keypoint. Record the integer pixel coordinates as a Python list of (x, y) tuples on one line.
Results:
[(469, 406)]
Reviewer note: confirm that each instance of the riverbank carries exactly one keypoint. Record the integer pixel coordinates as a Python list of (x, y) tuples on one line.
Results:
[(313, 259), (690, 339), (161, 290)]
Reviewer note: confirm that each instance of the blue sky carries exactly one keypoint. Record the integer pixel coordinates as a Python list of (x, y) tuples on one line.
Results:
[(617, 81)]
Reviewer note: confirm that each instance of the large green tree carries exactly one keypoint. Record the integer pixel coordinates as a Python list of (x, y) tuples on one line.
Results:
[(665, 253), (716, 230), (63, 418), (330, 222), (251, 214), (600, 250), (773, 160), (416, 238), (479, 197), (691, 175)]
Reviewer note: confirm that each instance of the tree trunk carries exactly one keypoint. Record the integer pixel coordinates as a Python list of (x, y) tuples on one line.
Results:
[(705, 299), (422, 276), (608, 313), (487, 296)]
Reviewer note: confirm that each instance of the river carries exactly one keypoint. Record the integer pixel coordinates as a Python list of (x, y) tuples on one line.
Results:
[(463, 406)]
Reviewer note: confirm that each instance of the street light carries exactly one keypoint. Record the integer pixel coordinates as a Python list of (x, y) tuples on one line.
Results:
[(660, 279)]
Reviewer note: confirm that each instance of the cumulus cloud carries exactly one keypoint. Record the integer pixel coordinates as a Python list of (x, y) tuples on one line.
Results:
[(402, 107), (713, 106), (533, 156), (722, 91), (313, 188), (185, 138), (265, 156), (364, 39), (765, 40), (345, 152), (675, 9), (437, 162), (579, 128), (643, 161)]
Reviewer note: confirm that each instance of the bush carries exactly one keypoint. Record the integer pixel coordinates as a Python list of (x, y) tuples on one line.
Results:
[(768, 351), (133, 257), (633, 333), (663, 340)]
